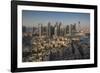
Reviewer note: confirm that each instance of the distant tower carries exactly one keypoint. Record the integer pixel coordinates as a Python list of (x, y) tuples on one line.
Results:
[(67, 29), (64, 31), (52, 30), (55, 29), (79, 27), (70, 30), (39, 29), (33, 28), (49, 29), (74, 28), (59, 29)]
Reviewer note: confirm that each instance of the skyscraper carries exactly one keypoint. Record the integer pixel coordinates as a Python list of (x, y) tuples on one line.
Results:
[(49, 29), (52, 30), (67, 29), (70, 30), (39, 29), (79, 28), (73, 28), (55, 29), (59, 29)]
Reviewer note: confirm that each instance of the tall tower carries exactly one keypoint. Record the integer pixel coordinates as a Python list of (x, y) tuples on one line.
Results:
[(49, 29), (70, 30), (64, 31), (79, 27), (39, 29), (33, 29), (59, 29), (55, 29), (67, 29)]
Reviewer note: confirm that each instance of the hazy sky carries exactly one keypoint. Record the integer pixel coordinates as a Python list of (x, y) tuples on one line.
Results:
[(30, 18)]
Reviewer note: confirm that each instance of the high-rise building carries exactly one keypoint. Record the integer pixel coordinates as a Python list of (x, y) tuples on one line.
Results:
[(79, 28), (44, 30), (73, 28), (41, 26), (52, 31), (67, 29), (55, 29), (64, 31), (59, 29), (34, 29), (49, 29), (39, 29), (70, 30)]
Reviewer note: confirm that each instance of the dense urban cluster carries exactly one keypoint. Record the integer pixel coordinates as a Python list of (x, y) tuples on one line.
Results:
[(53, 42)]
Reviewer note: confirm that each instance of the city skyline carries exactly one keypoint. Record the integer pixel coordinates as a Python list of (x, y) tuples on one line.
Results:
[(52, 36), (32, 18)]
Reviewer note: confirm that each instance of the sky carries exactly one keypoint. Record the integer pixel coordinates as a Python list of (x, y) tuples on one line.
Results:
[(33, 18)]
